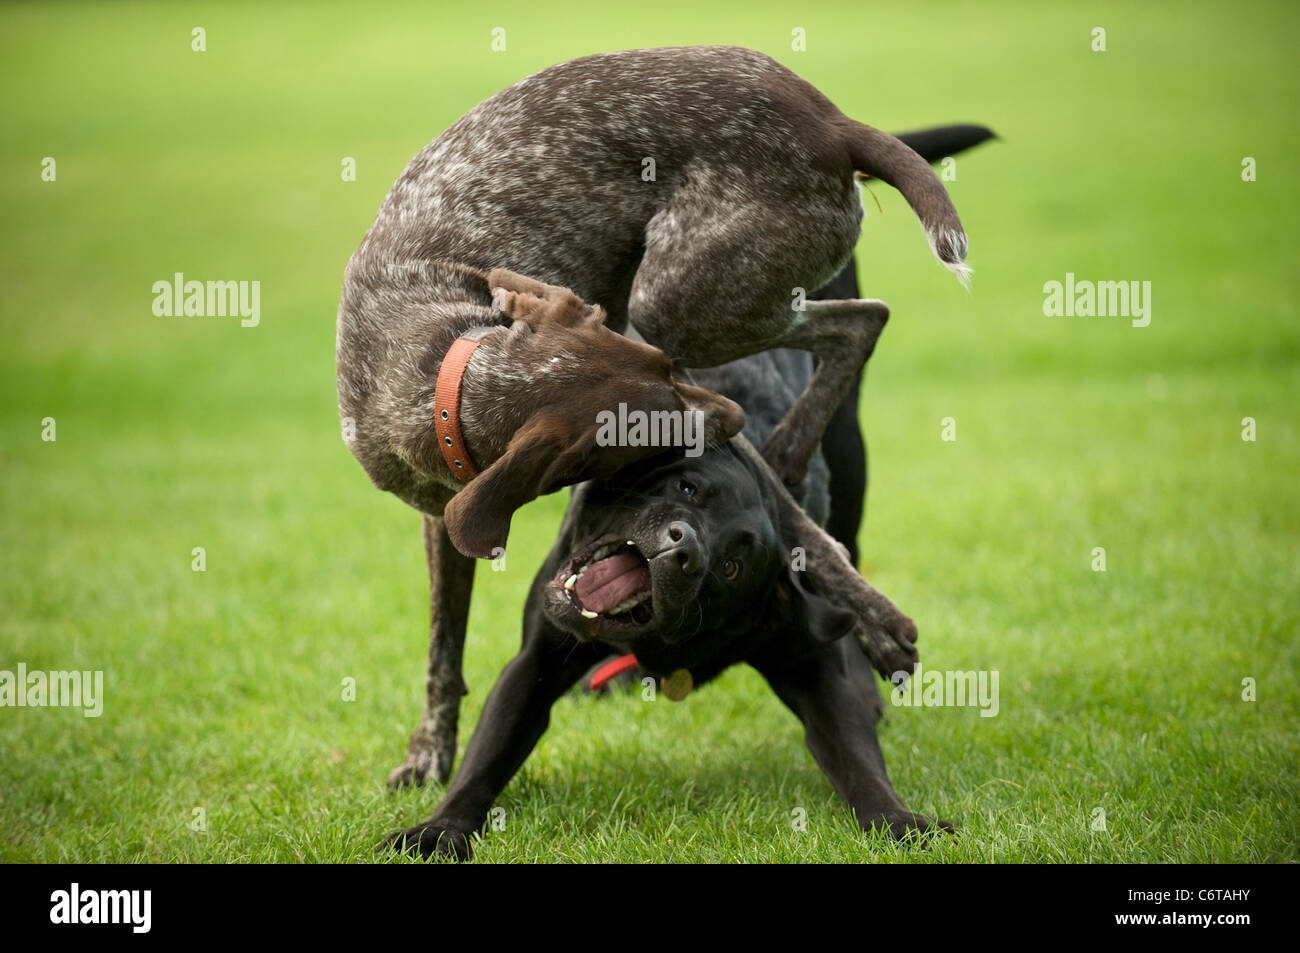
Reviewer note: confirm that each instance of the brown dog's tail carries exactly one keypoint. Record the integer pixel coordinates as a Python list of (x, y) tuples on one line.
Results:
[(879, 154)]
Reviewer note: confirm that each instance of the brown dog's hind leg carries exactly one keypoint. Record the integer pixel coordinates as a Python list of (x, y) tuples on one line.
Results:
[(722, 278), (451, 579), (842, 335)]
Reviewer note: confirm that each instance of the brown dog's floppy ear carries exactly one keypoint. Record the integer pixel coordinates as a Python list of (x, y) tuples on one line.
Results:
[(526, 299), (522, 284), (723, 418), (478, 517), (541, 456), (593, 314), (520, 306)]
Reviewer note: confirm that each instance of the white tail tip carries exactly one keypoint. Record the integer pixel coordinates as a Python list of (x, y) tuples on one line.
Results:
[(949, 246), (963, 272)]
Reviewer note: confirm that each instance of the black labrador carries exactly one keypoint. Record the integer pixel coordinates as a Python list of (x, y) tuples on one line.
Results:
[(689, 564)]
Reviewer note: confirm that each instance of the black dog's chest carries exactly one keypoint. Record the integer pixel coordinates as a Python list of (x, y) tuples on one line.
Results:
[(705, 656)]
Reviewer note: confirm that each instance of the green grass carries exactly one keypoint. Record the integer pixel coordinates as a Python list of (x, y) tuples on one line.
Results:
[(1119, 690)]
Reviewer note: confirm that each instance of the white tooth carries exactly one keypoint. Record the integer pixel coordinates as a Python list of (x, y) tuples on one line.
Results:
[(588, 614), (630, 543), (630, 603), (571, 581)]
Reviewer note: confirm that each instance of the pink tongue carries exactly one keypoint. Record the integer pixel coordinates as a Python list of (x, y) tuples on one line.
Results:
[(607, 583)]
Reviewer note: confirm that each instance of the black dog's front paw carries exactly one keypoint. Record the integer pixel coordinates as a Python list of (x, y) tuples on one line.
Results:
[(906, 826), (431, 839)]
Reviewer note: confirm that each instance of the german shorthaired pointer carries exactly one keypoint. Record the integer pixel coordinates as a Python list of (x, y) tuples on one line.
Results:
[(694, 193)]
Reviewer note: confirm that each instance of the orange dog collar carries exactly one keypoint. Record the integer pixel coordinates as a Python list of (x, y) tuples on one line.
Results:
[(446, 409)]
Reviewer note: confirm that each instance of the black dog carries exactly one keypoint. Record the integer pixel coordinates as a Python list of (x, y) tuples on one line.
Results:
[(688, 563)]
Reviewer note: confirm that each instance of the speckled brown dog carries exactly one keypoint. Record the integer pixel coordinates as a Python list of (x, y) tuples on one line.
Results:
[(695, 193)]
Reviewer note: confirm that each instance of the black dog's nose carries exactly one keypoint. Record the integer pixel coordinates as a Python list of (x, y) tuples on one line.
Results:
[(681, 541)]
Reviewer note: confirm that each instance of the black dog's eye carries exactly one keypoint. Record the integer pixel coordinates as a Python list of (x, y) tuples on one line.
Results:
[(687, 488), (731, 569)]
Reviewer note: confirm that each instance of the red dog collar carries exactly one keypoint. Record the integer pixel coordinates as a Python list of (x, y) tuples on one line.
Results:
[(446, 409), (612, 670)]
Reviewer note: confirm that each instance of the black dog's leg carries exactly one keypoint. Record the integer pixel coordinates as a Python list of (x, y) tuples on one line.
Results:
[(451, 578), (832, 689), (514, 717), (845, 452)]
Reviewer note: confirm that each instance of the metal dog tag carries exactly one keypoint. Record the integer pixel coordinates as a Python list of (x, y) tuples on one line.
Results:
[(678, 685)]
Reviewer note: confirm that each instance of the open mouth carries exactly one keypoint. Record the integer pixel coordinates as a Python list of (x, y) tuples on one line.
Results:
[(611, 583)]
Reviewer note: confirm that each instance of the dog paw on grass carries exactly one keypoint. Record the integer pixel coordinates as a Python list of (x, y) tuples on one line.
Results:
[(430, 840), (907, 827)]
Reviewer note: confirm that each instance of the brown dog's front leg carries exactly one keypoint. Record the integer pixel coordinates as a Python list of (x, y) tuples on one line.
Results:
[(451, 579), (885, 634)]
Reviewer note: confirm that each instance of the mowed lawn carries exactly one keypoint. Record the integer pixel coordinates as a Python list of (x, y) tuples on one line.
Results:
[(225, 734)]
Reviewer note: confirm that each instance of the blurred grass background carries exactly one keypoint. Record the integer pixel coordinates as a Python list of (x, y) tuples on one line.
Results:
[(1119, 690)]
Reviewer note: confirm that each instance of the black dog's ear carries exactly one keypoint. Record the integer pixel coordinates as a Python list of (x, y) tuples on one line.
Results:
[(820, 616)]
